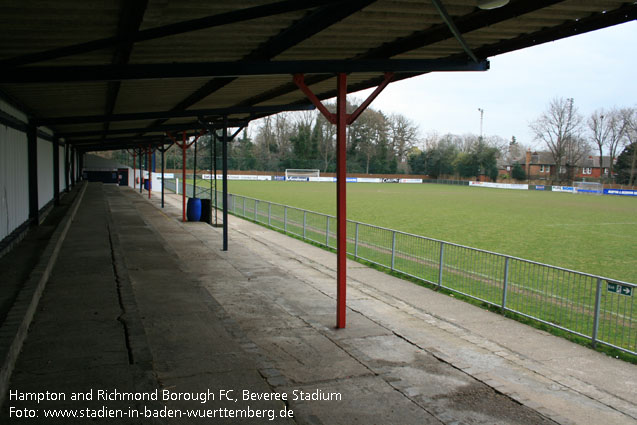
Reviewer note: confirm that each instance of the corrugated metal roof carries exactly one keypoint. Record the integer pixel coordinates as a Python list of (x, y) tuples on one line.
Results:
[(161, 32)]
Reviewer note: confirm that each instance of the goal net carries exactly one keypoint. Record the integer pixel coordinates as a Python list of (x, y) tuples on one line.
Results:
[(588, 188), (300, 175)]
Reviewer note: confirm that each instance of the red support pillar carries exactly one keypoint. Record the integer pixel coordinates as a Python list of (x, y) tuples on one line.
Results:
[(141, 170), (184, 146), (134, 170), (183, 179), (341, 199), (342, 119)]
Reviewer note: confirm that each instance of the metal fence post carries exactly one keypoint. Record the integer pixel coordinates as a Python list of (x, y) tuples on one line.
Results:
[(356, 242), (442, 253), (285, 218), (393, 249), (304, 221), (598, 299), (327, 232), (244, 206), (506, 283), (269, 214), (256, 209)]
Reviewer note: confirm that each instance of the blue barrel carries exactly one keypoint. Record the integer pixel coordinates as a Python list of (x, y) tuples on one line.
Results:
[(147, 184), (193, 211)]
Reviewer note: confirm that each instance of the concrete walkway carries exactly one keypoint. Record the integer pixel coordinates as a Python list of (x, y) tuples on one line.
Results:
[(140, 302), (454, 361)]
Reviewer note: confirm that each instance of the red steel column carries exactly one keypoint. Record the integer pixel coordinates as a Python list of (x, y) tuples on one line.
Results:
[(134, 170), (341, 213), (183, 180), (342, 119)]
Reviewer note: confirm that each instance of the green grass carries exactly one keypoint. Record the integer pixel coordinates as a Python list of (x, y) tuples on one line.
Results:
[(557, 297), (592, 234), (540, 226)]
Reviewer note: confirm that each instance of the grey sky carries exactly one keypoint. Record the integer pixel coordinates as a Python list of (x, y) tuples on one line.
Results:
[(597, 69)]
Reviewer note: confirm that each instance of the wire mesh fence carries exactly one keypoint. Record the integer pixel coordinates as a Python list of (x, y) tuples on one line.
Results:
[(594, 307)]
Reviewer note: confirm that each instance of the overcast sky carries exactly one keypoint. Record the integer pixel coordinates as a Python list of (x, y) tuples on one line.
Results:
[(597, 69)]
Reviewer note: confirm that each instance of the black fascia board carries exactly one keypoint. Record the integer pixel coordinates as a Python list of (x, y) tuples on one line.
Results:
[(59, 74), (176, 128), (594, 22)]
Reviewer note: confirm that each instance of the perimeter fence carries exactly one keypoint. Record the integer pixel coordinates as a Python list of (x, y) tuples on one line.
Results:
[(597, 308)]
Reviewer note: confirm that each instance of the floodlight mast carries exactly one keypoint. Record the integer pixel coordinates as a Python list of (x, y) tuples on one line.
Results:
[(481, 118)]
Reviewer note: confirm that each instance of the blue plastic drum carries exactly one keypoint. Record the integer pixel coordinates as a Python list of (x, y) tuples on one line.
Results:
[(193, 210)]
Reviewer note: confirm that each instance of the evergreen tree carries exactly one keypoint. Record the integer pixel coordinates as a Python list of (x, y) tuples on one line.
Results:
[(518, 172), (626, 163)]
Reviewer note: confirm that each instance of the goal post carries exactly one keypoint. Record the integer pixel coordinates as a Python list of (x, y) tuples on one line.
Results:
[(588, 188), (301, 174)]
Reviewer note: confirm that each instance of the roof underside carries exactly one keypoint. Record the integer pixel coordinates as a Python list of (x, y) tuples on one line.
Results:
[(106, 75)]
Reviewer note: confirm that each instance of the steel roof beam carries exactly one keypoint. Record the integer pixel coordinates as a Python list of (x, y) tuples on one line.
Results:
[(130, 18), (301, 30), (434, 34), (58, 74), (221, 19), (160, 128), (452, 27), (191, 126), (135, 116), (464, 24)]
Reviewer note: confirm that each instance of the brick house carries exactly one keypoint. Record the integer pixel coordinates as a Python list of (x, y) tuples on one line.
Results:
[(540, 166), (590, 167)]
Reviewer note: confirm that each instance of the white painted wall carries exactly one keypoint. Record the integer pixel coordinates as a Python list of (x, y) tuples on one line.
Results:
[(61, 168), (45, 172), (14, 172), (14, 180)]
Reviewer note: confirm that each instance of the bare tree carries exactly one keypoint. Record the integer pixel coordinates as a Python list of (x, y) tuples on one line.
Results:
[(500, 143), (326, 141), (615, 137), (265, 140), (629, 117), (465, 143), (559, 128), (430, 141), (368, 133), (304, 118), (403, 134), (513, 152), (576, 149), (283, 129), (599, 126)]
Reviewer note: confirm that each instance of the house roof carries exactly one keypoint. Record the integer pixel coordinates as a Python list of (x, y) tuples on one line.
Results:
[(107, 75), (546, 158)]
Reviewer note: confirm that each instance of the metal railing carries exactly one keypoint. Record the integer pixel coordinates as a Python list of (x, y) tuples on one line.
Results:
[(600, 309)]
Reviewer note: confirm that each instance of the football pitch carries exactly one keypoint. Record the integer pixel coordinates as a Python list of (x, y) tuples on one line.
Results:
[(592, 234)]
